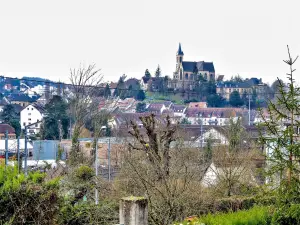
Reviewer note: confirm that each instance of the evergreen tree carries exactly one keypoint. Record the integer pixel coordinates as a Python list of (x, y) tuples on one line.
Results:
[(121, 88), (56, 113), (281, 138), (107, 92), (140, 95), (235, 99), (9, 113), (158, 72), (253, 99), (215, 100), (11, 117), (141, 107), (245, 98), (147, 74)]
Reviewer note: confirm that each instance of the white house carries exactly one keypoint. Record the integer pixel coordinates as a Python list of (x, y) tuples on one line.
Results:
[(216, 134), (32, 114)]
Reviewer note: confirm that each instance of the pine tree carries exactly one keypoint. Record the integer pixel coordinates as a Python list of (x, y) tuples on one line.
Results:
[(235, 99), (147, 74), (280, 137), (158, 72), (107, 92), (140, 95)]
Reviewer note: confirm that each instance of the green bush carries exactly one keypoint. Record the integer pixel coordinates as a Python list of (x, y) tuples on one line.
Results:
[(104, 213), (287, 215), (84, 173), (27, 200), (258, 215)]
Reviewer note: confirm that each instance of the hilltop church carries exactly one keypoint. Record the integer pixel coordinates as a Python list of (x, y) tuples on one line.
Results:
[(186, 72)]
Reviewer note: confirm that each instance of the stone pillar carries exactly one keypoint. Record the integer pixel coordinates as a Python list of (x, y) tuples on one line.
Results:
[(134, 211)]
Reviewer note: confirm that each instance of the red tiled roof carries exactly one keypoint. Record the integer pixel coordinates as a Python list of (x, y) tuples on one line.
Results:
[(6, 127)]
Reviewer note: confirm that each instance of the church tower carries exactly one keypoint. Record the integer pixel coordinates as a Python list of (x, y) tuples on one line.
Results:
[(179, 56)]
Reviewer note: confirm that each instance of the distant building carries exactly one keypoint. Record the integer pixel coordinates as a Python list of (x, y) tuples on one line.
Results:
[(213, 116), (199, 105), (20, 99), (186, 72), (226, 88), (179, 110), (246, 87), (156, 108), (33, 113), (9, 129)]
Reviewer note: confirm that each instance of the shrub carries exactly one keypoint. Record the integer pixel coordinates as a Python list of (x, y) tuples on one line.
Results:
[(105, 213), (84, 173), (258, 215), (27, 200), (286, 215)]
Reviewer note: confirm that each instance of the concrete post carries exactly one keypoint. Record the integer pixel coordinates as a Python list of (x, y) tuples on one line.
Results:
[(134, 211)]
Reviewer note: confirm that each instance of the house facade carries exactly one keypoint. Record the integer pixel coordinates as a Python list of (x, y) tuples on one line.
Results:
[(226, 88), (32, 114)]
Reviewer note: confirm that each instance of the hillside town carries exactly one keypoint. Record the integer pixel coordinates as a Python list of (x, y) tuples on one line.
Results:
[(194, 96), (191, 146)]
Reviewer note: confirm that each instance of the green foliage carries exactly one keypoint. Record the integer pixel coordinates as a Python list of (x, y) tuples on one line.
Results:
[(16, 125), (256, 216), (215, 100), (11, 117), (120, 90), (140, 95), (141, 107), (27, 200), (107, 92), (281, 139), (287, 215), (237, 79), (84, 173), (147, 74), (185, 121), (56, 112), (235, 99), (158, 72), (105, 213)]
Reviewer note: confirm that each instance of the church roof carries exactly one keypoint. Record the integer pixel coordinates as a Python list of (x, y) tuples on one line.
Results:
[(200, 66)]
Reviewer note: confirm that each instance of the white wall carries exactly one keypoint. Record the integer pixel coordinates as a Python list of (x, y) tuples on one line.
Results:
[(31, 115)]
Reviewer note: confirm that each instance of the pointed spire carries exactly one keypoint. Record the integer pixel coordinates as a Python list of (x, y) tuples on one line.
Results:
[(179, 52)]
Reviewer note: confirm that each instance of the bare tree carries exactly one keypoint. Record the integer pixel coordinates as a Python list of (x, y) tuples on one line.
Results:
[(233, 165), (85, 84), (162, 169)]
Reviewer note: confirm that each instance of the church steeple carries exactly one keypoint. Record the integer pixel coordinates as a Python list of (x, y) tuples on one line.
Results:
[(179, 52), (179, 55)]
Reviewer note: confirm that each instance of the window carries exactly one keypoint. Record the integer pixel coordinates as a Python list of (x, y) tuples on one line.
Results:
[(27, 108), (186, 76), (36, 125), (24, 124), (29, 119), (31, 108), (29, 114)]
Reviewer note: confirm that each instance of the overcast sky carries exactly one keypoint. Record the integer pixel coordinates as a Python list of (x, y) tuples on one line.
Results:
[(47, 38)]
